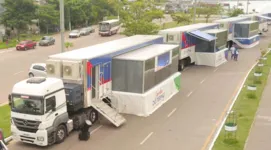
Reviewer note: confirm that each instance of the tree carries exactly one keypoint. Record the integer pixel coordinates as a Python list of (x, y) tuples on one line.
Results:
[(68, 45), (181, 18), (18, 14), (137, 18), (48, 15), (235, 12)]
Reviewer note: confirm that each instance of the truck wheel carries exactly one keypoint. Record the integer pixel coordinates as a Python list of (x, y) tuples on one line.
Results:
[(181, 65), (93, 116), (60, 134)]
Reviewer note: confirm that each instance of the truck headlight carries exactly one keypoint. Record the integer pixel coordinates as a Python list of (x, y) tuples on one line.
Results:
[(40, 138)]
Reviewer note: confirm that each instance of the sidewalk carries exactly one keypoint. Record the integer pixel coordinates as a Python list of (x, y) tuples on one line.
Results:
[(260, 133)]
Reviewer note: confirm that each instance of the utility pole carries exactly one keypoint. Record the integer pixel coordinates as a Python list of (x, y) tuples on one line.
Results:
[(194, 16), (247, 5), (62, 26)]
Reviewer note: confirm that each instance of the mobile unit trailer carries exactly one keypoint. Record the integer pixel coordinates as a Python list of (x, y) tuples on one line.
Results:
[(233, 35), (263, 20), (45, 110), (196, 46), (145, 79)]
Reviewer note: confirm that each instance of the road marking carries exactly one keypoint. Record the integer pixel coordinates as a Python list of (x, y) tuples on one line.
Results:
[(146, 138), (171, 112), (96, 129), (202, 81), (189, 93), (5, 51), (18, 73), (215, 69)]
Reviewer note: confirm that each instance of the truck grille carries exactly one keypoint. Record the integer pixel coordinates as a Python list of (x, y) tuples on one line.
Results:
[(26, 125)]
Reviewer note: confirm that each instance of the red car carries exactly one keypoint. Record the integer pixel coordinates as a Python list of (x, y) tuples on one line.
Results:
[(24, 45)]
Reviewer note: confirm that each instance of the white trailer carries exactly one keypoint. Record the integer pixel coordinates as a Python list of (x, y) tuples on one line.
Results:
[(191, 38), (234, 33), (263, 20), (45, 110)]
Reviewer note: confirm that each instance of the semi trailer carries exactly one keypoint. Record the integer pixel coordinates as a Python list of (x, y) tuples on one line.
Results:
[(198, 44), (78, 87)]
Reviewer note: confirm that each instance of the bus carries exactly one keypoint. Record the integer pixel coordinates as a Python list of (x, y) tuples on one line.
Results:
[(109, 27)]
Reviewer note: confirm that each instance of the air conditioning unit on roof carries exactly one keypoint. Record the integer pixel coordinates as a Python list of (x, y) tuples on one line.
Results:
[(54, 68), (72, 70)]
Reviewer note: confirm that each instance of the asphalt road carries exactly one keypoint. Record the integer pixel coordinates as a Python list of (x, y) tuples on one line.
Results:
[(186, 122), (15, 64)]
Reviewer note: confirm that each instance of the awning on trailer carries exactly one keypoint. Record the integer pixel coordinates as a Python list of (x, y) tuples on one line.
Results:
[(265, 17), (202, 35)]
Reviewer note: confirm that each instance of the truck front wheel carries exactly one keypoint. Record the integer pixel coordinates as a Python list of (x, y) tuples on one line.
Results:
[(60, 134), (93, 116)]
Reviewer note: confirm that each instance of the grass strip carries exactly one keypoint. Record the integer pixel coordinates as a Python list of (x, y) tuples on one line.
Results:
[(245, 108), (5, 120)]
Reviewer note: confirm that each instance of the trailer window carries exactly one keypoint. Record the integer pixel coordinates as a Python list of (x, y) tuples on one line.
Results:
[(149, 64), (50, 103)]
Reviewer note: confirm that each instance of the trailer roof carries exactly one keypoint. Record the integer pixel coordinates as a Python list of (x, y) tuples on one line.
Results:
[(105, 48), (215, 30), (231, 19), (247, 22), (147, 52), (189, 27)]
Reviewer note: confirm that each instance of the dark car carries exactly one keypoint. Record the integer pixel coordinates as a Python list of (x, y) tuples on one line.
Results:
[(25, 45), (46, 41)]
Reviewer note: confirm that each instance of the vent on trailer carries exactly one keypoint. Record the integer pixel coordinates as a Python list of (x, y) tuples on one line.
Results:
[(54, 68), (72, 70), (172, 38)]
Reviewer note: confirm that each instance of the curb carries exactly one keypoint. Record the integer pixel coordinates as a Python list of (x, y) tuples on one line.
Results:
[(233, 102), (8, 139)]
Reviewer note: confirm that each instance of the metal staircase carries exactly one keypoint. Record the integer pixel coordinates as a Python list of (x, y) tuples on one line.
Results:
[(109, 113)]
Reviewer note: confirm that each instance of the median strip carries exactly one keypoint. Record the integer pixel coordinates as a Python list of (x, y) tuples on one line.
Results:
[(245, 109)]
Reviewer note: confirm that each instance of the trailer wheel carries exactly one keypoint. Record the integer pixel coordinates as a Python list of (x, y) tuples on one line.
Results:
[(93, 116), (60, 134)]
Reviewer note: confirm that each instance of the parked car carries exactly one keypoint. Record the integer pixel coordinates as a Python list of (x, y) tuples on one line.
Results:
[(74, 34), (84, 31), (37, 70), (24, 45), (91, 29), (46, 41)]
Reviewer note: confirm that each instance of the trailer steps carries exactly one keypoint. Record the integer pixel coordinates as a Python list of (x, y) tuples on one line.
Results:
[(109, 113)]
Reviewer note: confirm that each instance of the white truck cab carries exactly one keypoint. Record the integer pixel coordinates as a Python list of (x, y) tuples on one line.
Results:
[(38, 111)]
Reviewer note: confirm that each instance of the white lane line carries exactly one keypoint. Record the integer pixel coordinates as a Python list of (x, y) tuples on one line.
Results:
[(215, 69), (189, 94), (96, 129), (18, 73), (146, 138), (202, 81), (171, 112)]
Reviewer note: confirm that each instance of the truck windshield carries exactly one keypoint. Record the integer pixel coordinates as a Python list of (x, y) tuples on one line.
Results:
[(104, 27), (27, 105)]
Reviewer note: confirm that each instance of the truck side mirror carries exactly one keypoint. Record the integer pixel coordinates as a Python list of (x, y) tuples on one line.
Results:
[(9, 100)]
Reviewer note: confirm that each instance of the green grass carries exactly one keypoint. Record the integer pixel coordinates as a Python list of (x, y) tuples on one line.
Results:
[(5, 120), (174, 24), (245, 108), (13, 42)]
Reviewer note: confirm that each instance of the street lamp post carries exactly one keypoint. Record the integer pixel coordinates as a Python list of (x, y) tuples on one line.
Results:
[(194, 16), (247, 5), (62, 27)]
